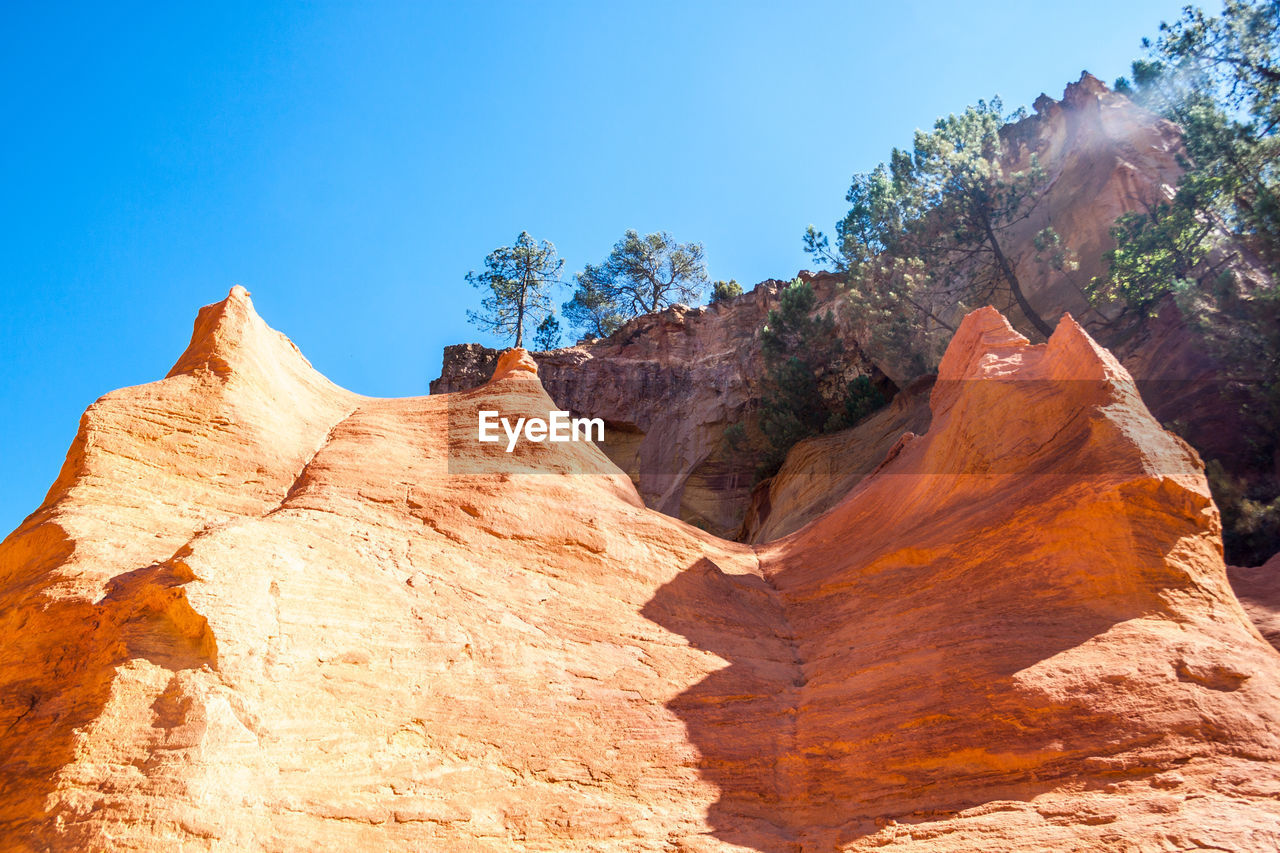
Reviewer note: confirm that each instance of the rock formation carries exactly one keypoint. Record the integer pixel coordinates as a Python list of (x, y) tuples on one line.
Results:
[(1044, 549), (259, 612), (820, 471), (1258, 588), (669, 384)]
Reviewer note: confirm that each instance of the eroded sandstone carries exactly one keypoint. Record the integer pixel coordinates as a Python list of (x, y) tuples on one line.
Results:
[(670, 384), (259, 612)]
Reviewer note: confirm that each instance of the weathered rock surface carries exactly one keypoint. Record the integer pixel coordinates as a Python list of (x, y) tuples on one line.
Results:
[(1258, 588), (669, 384), (1102, 156), (820, 471), (1000, 588), (258, 612)]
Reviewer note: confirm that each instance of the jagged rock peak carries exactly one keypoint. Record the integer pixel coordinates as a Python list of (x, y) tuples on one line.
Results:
[(986, 346), (1086, 86), (1074, 94), (229, 337), (309, 594), (984, 338)]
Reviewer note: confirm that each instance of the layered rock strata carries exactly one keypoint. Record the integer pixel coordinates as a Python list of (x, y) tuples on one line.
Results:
[(1258, 588), (820, 471)]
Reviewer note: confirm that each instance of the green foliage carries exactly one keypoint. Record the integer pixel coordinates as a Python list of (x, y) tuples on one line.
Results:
[(735, 436), (723, 291), (1245, 334), (792, 410), (1231, 58), (1250, 515), (1156, 252), (640, 276), (803, 358), (547, 336), (1226, 200), (1218, 77), (1243, 331), (593, 311), (1052, 253), (861, 398), (924, 239), (518, 279)]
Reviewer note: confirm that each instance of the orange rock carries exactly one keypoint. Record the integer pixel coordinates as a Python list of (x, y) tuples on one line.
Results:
[(1015, 631), (260, 612), (820, 471), (514, 362), (667, 384), (670, 383), (1258, 588)]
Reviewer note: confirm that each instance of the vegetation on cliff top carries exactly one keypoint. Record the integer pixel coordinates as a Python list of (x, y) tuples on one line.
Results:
[(1218, 78), (518, 280), (805, 388), (641, 275), (926, 237)]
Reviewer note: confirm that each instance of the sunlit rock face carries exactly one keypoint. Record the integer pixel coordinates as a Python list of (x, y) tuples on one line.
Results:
[(1009, 634), (670, 384), (820, 471), (259, 612)]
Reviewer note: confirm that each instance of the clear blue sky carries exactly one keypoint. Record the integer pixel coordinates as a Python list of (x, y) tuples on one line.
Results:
[(350, 162)]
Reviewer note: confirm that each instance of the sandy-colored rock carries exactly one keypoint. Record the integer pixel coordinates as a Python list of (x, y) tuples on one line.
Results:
[(257, 612), (1258, 588), (669, 384), (1044, 550), (1102, 156), (88, 596), (820, 471)]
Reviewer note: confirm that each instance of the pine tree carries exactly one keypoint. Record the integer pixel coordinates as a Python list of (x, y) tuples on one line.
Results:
[(547, 336), (926, 236), (518, 279), (803, 391), (640, 276)]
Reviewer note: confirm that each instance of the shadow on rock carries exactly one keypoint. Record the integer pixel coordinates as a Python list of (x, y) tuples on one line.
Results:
[(905, 684), (741, 718), (60, 658)]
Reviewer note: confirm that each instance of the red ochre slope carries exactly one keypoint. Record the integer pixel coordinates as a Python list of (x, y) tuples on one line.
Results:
[(258, 612)]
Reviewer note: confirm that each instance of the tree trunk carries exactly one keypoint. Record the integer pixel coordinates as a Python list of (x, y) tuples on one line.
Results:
[(524, 288), (1016, 289)]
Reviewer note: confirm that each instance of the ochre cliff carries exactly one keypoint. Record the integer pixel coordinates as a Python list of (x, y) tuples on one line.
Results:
[(258, 612), (982, 604), (669, 384), (820, 471)]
